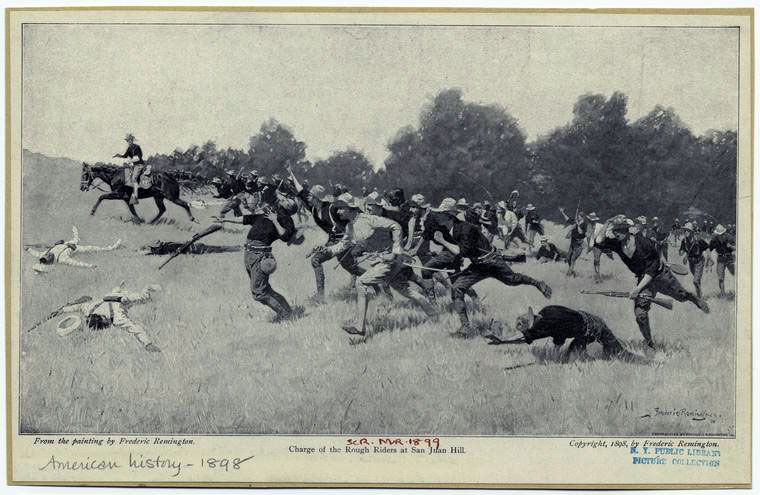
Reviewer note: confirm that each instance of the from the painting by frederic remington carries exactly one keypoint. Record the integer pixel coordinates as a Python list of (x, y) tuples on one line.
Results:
[(378, 229)]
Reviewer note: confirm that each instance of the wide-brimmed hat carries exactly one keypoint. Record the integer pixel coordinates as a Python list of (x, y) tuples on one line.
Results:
[(462, 203), (530, 207), (68, 324), (230, 172), (592, 216), (477, 205), (622, 224), (418, 200), (448, 205), (373, 199), (254, 173), (688, 226), (719, 229), (216, 180), (129, 137), (346, 200), (642, 220), (502, 205), (542, 239), (655, 219)]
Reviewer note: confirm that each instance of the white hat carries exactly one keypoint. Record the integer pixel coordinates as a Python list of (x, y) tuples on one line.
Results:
[(68, 324), (419, 201), (530, 207), (719, 229), (688, 226), (448, 205)]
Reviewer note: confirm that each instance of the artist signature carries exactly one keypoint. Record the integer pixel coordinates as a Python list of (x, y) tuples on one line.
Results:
[(682, 413)]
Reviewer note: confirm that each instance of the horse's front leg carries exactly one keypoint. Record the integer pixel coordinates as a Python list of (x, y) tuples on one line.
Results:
[(135, 217), (111, 195)]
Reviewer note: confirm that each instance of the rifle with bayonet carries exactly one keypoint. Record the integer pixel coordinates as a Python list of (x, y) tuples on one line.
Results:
[(665, 303), (57, 312)]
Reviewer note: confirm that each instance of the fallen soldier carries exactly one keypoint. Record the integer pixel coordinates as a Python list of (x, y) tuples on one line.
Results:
[(62, 253), (562, 323), (160, 248), (111, 310)]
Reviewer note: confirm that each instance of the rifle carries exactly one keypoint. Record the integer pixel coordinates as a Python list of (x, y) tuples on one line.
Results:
[(494, 340), (209, 230), (55, 313), (665, 303)]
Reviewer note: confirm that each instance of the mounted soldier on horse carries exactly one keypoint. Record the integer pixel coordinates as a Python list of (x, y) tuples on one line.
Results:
[(133, 180)]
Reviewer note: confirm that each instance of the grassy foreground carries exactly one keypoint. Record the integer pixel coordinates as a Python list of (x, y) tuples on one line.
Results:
[(225, 368)]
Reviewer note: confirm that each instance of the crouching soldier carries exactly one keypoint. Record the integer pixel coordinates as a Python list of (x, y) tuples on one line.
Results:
[(111, 310), (562, 323), (268, 224)]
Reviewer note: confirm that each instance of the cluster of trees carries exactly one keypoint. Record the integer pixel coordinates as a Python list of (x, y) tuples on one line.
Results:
[(652, 166)]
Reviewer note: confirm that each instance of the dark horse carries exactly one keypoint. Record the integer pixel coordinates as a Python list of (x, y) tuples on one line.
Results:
[(164, 186)]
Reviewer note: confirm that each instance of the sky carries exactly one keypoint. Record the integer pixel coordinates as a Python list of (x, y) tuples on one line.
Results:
[(86, 86)]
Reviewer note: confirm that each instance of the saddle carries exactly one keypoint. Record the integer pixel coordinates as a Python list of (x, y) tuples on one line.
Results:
[(146, 179)]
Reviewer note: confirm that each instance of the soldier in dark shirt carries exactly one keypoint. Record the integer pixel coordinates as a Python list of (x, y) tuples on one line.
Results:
[(326, 219), (562, 323), (577, 236), (548, 251), (693, 249), (532, 224), (135, 156), (653, 276), (160, 248), (485, 261), (268, 224), (724, 246)]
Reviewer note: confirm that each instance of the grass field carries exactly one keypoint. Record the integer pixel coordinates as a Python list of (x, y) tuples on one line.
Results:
[(225, 368)]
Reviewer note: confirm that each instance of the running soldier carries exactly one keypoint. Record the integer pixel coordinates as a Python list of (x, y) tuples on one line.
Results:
[(577, 236), (693, 249), (653, 276), (594, 227), (381, 237), (326, 219), (269, 223), (485, 261), (724, 246), (532, 224)]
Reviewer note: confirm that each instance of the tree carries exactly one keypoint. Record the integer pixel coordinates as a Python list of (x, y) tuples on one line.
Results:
[(349, 167), (459, 149), (273, 148)]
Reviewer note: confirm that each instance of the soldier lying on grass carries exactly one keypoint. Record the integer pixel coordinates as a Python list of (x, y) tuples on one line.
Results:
[(62, 253), (111, 310)]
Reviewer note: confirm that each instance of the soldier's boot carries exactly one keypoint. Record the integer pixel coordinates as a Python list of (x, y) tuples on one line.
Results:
[(319, 276), (460, 308), (722, 287), (642, 320), (698, 289)]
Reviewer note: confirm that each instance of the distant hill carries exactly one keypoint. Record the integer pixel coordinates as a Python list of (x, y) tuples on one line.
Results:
[(32, 161)]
